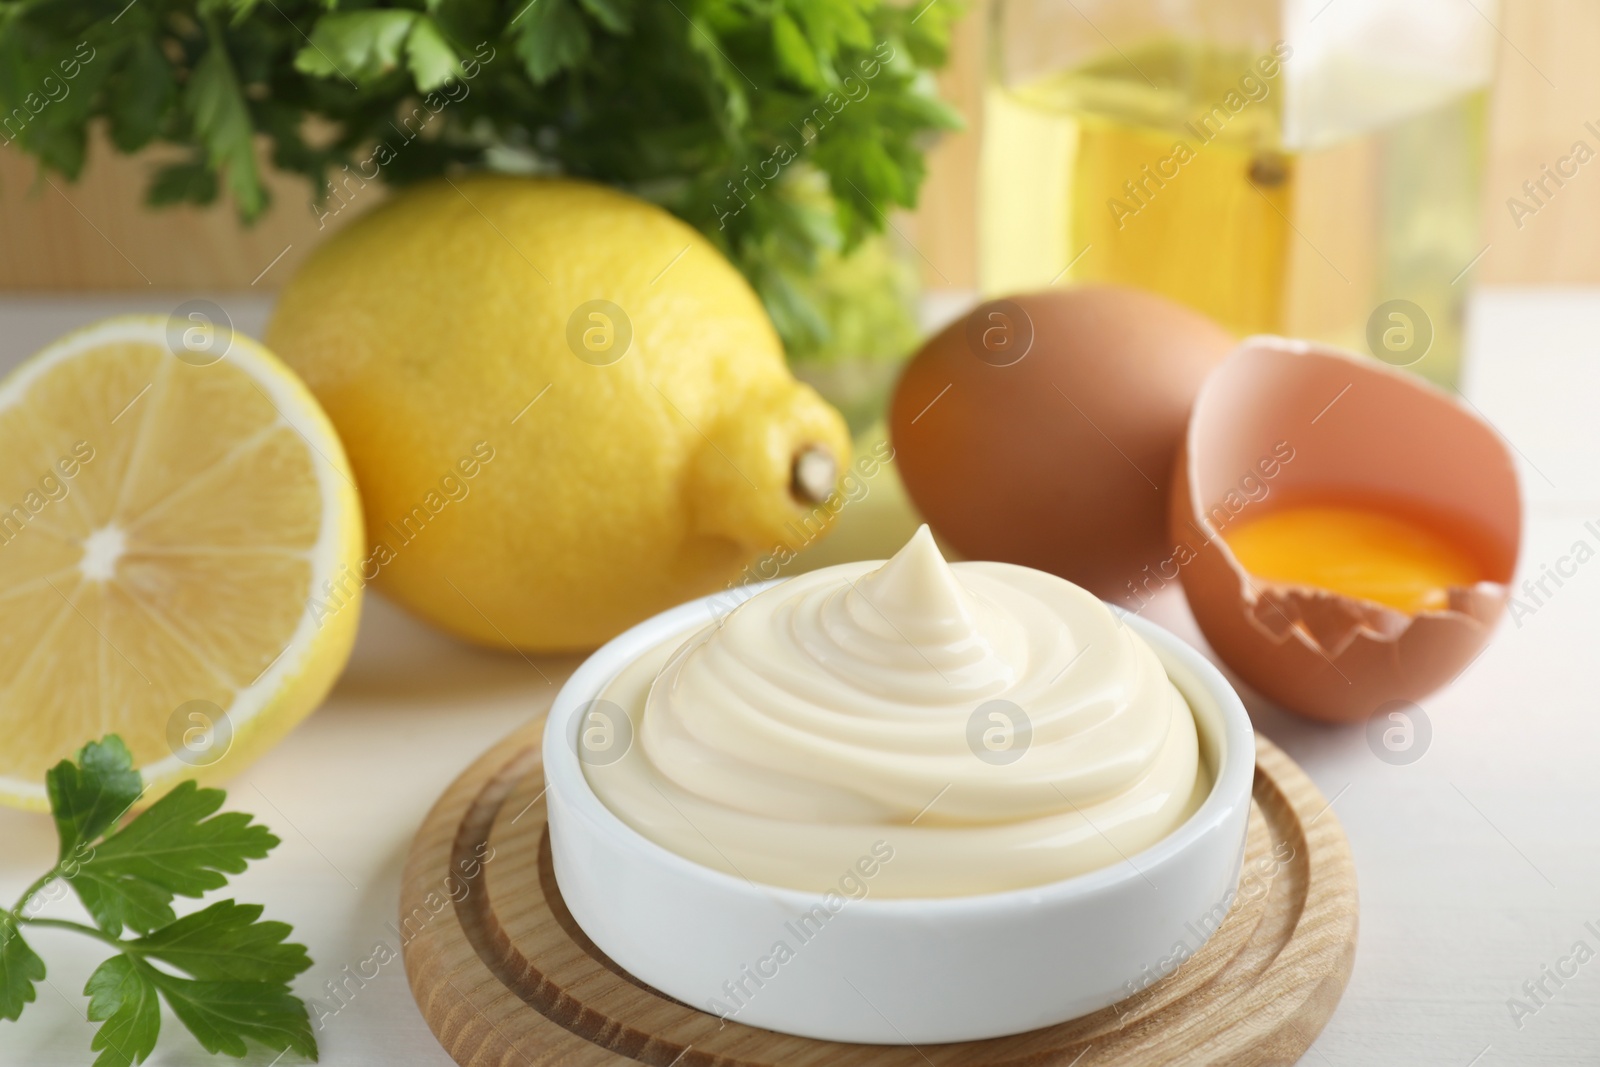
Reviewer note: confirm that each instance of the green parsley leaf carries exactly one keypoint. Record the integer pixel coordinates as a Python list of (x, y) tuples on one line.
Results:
[(191, 182), (795, 56), (141, 95), (222, 121), (129, 903), (226, 942), (727, 78), (679, 103), (360, 46), (122, 999), (240, 966), (87, 797), (177, 847), (222, 1015), (614, 15), (835, 23), (552, 37), (429, 57), (20, 969)]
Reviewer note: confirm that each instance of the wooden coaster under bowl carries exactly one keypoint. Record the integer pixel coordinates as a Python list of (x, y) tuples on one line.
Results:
[(504, 975)]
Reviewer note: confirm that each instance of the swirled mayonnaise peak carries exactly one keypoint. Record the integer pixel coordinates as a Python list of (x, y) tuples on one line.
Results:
[(911, 728)]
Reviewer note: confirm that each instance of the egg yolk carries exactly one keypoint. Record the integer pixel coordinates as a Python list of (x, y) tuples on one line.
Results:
[(1357, 551)]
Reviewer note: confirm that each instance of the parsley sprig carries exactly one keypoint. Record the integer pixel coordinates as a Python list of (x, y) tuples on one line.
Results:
[(222, 970), (725, 112)]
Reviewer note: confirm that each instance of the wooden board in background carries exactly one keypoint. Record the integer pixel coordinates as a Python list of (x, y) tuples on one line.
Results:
[(504, 975), (96, 233)]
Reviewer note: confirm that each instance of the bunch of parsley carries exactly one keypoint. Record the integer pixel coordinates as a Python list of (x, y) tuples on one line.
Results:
[(223, 971), (711, 108)]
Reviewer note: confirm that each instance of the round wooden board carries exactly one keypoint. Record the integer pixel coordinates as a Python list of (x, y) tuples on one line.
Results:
[(504, 975)]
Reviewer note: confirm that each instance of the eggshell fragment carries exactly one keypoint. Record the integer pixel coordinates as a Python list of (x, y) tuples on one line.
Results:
[(1348, 426)]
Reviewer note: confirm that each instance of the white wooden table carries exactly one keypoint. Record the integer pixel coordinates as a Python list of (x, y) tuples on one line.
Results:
[(1479, 863)]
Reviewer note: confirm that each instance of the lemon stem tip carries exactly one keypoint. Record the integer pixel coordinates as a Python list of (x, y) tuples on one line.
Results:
[(812, 474)]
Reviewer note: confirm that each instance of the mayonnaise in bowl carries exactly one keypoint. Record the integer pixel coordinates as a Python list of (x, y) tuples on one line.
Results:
[(973, 727)]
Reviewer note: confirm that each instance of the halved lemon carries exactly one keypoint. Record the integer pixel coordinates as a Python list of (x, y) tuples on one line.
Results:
[(180, 539)]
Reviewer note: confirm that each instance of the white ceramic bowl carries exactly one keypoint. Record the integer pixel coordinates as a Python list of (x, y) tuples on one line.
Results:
[(896, 971)]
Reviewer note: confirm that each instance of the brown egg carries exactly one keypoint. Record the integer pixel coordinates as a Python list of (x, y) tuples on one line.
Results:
[(1041, 429), (1285, 420)]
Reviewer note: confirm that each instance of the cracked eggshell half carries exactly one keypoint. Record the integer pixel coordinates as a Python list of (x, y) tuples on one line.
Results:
[(1281, 419)]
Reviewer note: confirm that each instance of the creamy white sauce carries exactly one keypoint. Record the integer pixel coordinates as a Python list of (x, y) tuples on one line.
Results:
[(994, 726)]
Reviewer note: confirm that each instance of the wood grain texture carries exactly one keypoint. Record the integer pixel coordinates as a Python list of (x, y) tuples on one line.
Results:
[(97, 234), (1547, 91), (504, 975)]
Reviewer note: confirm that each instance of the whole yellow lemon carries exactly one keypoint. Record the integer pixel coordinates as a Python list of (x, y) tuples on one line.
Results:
[(566, 411)]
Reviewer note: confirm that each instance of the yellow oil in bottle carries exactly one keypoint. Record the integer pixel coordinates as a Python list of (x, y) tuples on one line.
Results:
[(1173, 167)]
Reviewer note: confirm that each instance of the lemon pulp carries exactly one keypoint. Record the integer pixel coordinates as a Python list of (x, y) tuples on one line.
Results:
[(165, 525)]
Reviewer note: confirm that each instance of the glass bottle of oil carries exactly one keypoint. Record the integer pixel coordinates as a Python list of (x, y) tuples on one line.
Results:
[(1307, 171)]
